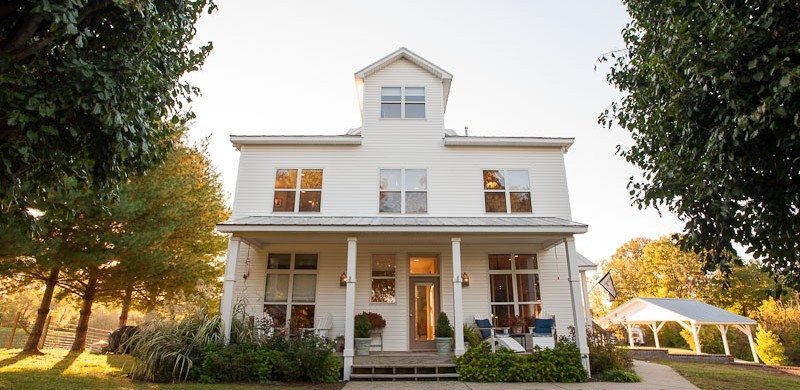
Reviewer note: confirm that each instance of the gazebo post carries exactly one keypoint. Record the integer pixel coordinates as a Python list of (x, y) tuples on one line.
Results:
[(629, 328), (696, 336), (746, 330), (656, 327), (723, 330)]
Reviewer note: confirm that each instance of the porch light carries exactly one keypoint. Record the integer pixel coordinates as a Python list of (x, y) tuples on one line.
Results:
[(343, 279), (465, 279)]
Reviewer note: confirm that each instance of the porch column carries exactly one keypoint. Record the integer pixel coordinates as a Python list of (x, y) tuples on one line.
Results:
[(349, 307), (228, 284), (577, 311), (458, 307), (586, 305), (723, 330)]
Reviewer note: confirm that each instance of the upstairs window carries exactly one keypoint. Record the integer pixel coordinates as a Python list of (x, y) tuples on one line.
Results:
[(403, 191), (507, 190), (294, 195), (403, 102)]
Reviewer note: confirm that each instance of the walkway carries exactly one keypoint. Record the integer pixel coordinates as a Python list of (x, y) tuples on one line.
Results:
[(654, 377)]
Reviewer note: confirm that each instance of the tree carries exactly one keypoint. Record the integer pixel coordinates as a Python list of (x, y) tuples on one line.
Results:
[(769, 348), (712, 101), (90, 92)]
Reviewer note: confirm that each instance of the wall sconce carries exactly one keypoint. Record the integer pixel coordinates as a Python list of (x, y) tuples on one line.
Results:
[(465, 279), (343, 279)]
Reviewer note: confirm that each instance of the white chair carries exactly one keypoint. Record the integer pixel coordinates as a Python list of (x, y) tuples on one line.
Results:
[(322, 325), (497, 335), (543, 332)]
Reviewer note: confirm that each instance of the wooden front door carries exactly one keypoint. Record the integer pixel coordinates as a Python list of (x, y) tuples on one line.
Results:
[(424, 307)]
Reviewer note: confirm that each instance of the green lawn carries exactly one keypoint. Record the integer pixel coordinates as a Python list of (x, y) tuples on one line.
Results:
[(734, 376), (58, 370)]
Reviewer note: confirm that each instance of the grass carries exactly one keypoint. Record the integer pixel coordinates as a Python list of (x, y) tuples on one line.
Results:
[(734, 376), (59, 370)]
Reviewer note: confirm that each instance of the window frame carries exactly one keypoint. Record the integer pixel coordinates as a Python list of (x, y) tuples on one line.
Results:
[(403, 191), (291, 271), (297, 189), (513, 271), (403, 102), (506, 191), (373, 277)]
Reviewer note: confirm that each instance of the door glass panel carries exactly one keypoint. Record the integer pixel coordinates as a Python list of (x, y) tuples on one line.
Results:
[(424, 311), (421, 265)]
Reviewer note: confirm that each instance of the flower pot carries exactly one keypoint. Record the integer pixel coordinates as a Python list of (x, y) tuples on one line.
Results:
[(362, 346), (517, 329), (443, 345)]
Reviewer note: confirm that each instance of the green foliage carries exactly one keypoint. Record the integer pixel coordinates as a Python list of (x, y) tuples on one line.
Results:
[(770, 348), (560, 364), (237, 363), (619, 375), (443, 327), (711, 98), (472, 336), (90, 91), (783, 319), (362, 326), (605, 356), (375, 319)]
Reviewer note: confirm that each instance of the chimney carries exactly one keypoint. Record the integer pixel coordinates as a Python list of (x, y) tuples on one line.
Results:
[(466, 131)]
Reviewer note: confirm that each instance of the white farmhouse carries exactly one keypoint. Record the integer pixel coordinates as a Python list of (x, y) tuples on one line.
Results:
[(404, 218)]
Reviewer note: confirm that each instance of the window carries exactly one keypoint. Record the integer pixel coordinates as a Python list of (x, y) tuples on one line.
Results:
[(514, 286), (291, 289), (293, 195), (403, 102), (506, 190), (383, 278), (403, 191)]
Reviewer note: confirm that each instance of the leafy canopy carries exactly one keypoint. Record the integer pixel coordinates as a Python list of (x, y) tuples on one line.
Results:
[(712, 101)]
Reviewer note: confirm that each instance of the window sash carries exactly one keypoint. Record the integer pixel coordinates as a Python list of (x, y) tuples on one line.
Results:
[(302, 191), (384, 275), (389, 188), (290, 303), (506, 188), (408, 96), (514, 274)]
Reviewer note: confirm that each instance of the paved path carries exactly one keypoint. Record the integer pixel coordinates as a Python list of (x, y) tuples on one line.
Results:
[(654, 377)]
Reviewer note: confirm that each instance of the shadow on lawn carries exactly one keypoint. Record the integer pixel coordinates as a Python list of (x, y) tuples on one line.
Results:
[(66, 361), (16, 358)]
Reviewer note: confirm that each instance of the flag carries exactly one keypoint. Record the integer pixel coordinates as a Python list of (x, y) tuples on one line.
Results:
[(608, 284)]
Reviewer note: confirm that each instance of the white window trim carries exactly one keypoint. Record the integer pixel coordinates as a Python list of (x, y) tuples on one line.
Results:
[(403, 102), (373, 277), (506, 190), (514, 272), (291, 272), (297, 190), (403, 191)]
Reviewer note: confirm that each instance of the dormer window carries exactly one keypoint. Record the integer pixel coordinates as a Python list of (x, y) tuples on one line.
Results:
[(403, 102)]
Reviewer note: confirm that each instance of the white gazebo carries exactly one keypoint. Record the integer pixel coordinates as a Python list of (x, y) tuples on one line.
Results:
[(688, 313)]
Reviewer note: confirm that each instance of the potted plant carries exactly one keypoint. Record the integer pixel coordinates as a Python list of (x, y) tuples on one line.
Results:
[(362, 334), (444, 335), (516, 324)]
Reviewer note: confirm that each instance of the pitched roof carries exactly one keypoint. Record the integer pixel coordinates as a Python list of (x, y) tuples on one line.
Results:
[(649, 310), (584, 263)]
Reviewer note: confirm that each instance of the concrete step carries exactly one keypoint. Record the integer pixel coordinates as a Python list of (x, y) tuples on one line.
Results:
[(383, 372), (404, 377)]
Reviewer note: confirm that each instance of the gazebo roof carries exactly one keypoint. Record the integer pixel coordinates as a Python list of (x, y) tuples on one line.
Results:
[(652, 310)]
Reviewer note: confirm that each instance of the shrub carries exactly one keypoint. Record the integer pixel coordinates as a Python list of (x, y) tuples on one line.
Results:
[(238, 363), (443, 327), (604, 355), (559, 364), (769, 348), (471, 336), (375, 319), (619, 375), (362, 326)]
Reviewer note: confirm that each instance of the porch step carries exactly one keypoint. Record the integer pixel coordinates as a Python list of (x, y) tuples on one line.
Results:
[(406, 372)]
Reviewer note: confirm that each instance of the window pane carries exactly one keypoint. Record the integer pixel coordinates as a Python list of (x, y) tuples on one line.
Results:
[(416, 179), (277, 313), (415, 94), (305, 261), (415, 110), (383, 290), (390, 179), (529, 312), (390, 110), (389, 202), (302, 317), (499, 262), (502, 289), (311, 178), (383, 265), (520, 202), (390, 94), (526, 261), (526, 287), (518, 180), (416, 202), (279, 261), (310, 200), (422, 265), (284, 201), (286, 178), (493, 180), (495, 202), (502, 312), (304, 288), (277, 288)]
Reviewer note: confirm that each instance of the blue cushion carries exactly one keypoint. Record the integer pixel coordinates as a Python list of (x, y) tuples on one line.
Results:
[(484, 325), (542, 334), (543, 323)]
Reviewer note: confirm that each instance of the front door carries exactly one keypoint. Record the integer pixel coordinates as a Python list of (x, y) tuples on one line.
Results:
[(423, 307)]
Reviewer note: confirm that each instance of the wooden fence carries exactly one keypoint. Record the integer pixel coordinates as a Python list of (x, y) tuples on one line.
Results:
[(56, 336)]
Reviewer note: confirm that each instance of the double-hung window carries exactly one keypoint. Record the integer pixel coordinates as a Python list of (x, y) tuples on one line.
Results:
[(403, 102), (507, 190), (384, 268), (291, 290), (514, 284), (403, 191), (294, 195)]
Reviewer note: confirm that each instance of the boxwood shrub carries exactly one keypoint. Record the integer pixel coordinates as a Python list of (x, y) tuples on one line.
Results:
[(559, 364)]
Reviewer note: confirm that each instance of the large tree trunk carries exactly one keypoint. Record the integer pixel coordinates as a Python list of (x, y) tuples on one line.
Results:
[(126, 306), (32, 345), (86, 311)]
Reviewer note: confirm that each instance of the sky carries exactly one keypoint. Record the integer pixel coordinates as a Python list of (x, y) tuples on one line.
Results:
[(519, 69)]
